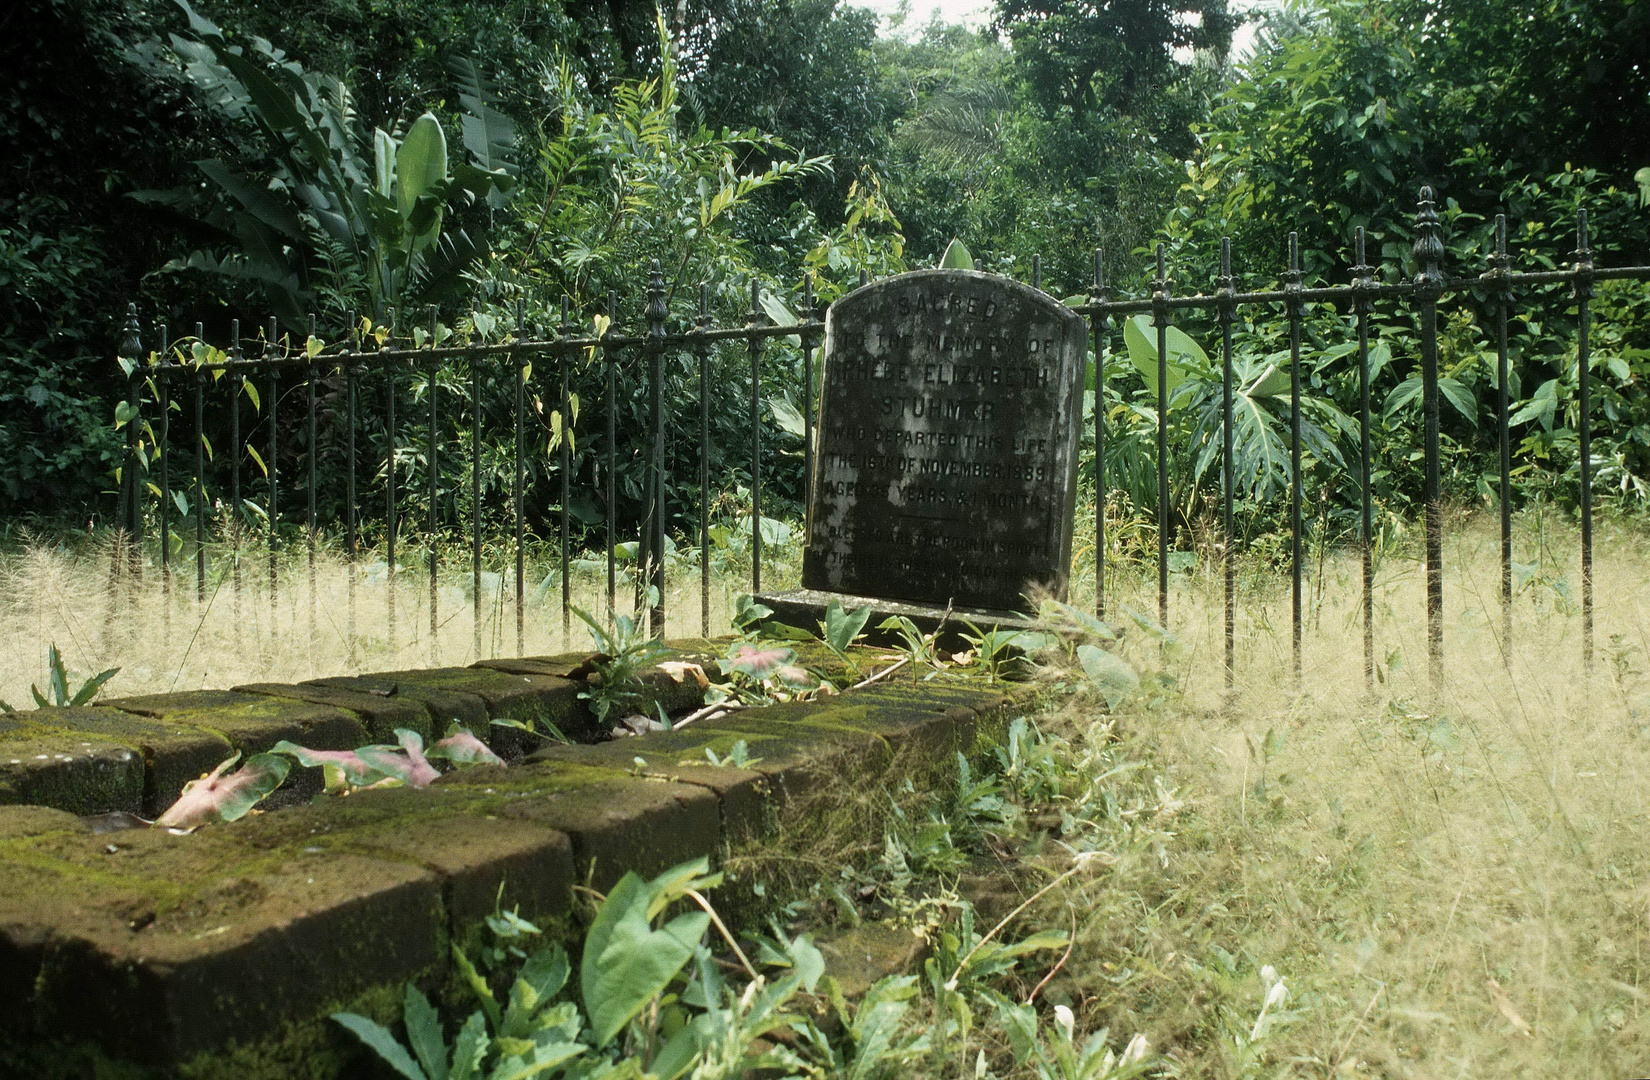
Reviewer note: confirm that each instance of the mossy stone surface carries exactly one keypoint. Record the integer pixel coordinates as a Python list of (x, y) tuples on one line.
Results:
[(617, 822), (444, 706), (382, 713), (70, 773), (159, 946), (173, 754), (526, 698), (253, 722), (679, 756)]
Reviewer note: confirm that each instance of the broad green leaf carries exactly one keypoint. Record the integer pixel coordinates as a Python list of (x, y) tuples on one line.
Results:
[(842, 627), (1185, 356), (956, 257), (626, 962), (1111, 675), (424, 1033), (1457, 394), (1270, 383), (786, 415), (381, 1042), (420, 163), (383, 163)]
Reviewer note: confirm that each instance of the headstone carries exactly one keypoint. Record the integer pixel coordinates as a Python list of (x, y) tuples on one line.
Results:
[(946, 472)]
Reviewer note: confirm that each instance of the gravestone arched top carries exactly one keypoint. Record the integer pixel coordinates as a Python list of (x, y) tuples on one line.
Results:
[(949, 423)]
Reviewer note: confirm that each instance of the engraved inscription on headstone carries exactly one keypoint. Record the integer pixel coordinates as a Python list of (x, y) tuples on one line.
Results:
[(947, 464)]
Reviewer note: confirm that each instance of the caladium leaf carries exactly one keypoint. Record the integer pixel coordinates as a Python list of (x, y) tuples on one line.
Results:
[(764, 664), (343, 768), (226, 797), (461, 747), (405, 763)]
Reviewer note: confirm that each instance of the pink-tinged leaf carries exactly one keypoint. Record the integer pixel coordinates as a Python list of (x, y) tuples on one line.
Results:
[(463, 748), (342, 768), (681, 669), (793, 675), (221, 797), (747, 659), (405, 763)]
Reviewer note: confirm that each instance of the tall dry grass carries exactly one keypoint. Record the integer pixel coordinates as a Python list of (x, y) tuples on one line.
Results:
[(162, 638), (1454, 885)]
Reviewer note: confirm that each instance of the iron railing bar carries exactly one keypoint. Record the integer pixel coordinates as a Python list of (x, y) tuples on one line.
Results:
[(1293, 310)]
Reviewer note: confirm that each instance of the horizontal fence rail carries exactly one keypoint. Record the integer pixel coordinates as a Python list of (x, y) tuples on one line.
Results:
[(366, 371)]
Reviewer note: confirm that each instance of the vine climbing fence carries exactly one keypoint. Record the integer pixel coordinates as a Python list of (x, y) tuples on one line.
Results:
[(370, 369)]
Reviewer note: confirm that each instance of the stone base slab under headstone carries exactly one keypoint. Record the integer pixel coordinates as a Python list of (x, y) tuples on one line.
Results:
[(805, 609)]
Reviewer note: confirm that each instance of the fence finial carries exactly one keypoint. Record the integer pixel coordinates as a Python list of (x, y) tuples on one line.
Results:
[(1429, 244), (131, 335)]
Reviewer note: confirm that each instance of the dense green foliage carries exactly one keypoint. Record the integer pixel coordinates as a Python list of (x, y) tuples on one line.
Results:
[(750, 141)]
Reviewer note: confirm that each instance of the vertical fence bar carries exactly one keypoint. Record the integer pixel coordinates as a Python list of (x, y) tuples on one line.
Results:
[(1500, 264), (564, 466), (237, 387), (272, 466), (475, 502), (1583, 294), (131, 347), (309, 515), (163, 456), (754, 320), (1293, 312), (657, 311), (432, 454), (1429, 283), (807, 398), (519, 482), (352, 342), (390, 521), (1363, 304), (1228, 566), (704, 463), (612, 457), (1097, 327), (200, 479), (1160, 319)]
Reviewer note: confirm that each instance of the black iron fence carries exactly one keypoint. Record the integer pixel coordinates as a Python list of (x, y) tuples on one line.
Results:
[(281, 362)]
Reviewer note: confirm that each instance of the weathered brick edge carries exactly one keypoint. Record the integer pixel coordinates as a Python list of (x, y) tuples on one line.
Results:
[(158, 949)]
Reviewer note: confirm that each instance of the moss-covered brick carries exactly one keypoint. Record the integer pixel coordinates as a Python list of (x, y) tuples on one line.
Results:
[(456, 832), (23, 945), (159, 946), (680, 756), (445, 707), (171, 754), (253, 722), (562, 666), (381, 712), (49, 765), (617, 822), (527, 698)]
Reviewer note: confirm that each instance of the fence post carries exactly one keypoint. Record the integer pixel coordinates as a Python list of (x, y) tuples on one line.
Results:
[(657, 310), (612, 455), (200, 478), (163, 458), (704, 350), (433, 463), (237, 387), (754, 320), (352, 343), (1500, 264), (271, 466), (1099, 323), (520, 480), (130, 511), (564, 465), (1160, 318), (1293, 310), (1429, 282), (1584, 429), (1363, 304), (1225, 313)]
